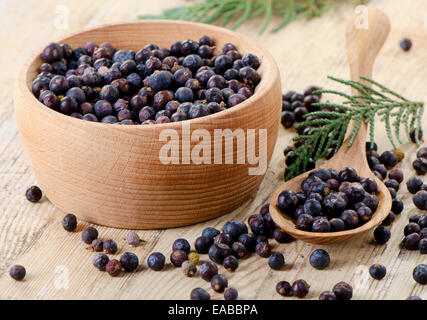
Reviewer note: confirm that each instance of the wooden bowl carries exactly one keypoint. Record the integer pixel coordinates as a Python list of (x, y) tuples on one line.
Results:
[(111, 174)]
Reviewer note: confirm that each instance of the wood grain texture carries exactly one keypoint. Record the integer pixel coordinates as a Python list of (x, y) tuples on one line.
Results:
[(363, 46), (306, 52), (114, 175)]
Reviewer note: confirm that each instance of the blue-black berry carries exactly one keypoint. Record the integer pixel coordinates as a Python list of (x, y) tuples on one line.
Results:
[(156, 261), (320, 259), (377, 271), (69, 222), (17, 272), (89, 234), (231, 294), (110, 246), (33, 194), (276, 261), (199, 294), (129, 261), (100, 261), (420, 274)]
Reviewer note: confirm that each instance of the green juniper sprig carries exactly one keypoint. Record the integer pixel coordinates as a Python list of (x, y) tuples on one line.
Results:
[(332, 121), (212, 11)]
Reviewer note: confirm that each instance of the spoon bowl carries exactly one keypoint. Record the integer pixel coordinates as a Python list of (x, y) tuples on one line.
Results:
[(363, 45)]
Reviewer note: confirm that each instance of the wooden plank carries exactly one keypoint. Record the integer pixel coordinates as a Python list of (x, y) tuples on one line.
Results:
[(58, 264)]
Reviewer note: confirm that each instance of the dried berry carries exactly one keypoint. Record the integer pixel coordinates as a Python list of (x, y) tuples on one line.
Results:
[(406, 44), (202, 244), (388, 159), (319, 259), (411, 227), (97, 245), (411, 241), (193, 257), (327, 295), (300, 288), (177, 257), (218, 252), (321, 224), (420, 200), (263, 249), (238, 249), (33, 194), (276, 261), (248, 241), (231, 294), (188, 268), (281, 237), (156, 261), (420, 274), (396, 174), (132, 239), (89, 234), (109, 246), (377, 271), (343, 291), (350, 218), (17, 272), (287, 201), (224, 238), (337, 224), (305, 222), (422, 246), (113, 268), (389, 219), (284, 288), (382, 234), (181, 244), (219, 283), (414, 298), (100, 261), (208, 270), (199, 294), (69, 222), (348, 174), (230, 263), (129, 261), (235, 228), (420, 166)]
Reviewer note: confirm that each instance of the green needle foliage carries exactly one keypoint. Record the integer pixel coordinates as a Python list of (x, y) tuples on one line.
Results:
[(224, 11), (391, 108)]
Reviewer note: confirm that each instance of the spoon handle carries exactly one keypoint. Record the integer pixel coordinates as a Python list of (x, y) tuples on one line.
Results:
[(365, 35)]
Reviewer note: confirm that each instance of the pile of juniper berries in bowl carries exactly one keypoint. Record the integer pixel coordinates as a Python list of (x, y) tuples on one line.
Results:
[(154, 85)]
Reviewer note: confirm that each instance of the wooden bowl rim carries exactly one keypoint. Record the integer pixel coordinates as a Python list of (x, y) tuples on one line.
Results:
[(263, 88)]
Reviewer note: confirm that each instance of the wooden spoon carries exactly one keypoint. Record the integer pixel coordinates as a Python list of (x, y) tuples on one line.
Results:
[(363, 46)]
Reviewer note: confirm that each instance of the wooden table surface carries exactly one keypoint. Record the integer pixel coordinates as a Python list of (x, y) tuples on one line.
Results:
[(58, 264)]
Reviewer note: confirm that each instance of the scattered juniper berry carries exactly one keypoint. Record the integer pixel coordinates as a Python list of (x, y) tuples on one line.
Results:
[(113, 268), (300, 288), (319, 259), (33, 194), (17, 272), (276, 261), (199, 294), (208, 270), (100, 261), (377, 271), (231, 294), (156, 261), (343, 291)]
